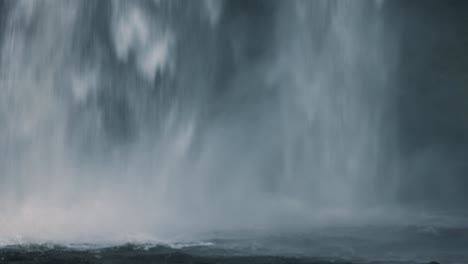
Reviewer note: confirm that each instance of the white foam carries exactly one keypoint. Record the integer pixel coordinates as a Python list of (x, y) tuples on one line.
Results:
[(214, 9), (137, 33), (83, 85), (154, 57)]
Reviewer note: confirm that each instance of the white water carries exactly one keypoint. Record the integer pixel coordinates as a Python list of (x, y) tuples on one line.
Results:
[(144, 120)]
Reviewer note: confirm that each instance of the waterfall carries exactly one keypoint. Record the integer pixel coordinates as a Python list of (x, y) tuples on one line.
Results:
[(129, 120)]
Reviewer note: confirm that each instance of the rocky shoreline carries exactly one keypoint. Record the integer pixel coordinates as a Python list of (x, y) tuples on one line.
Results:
[(158, 254)]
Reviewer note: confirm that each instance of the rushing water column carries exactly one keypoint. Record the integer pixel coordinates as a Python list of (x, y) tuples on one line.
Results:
[(129, 120), (335, 70)]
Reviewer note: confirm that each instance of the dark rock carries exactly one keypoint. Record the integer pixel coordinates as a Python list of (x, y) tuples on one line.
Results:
[(179, 258)]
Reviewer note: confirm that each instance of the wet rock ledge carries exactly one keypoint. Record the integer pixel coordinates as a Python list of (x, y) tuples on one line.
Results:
[(154, 255)]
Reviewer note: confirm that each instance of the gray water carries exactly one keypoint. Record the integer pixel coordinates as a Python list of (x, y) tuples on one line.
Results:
[(153, 120)]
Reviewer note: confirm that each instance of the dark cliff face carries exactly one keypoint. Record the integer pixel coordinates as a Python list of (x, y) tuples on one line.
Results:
[(431, 80), (433, 100)]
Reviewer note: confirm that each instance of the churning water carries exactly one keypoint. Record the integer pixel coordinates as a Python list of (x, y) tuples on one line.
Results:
[(144, 120)]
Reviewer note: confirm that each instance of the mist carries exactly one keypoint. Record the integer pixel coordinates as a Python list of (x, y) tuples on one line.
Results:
[(154, 120)]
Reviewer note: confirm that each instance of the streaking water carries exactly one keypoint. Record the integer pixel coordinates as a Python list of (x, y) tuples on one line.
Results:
[(141, 120)]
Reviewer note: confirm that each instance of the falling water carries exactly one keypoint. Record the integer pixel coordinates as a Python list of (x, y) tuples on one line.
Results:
[(129, 120)]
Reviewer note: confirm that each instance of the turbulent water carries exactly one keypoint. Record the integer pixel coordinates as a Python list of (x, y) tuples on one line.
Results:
[(152, 120)]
